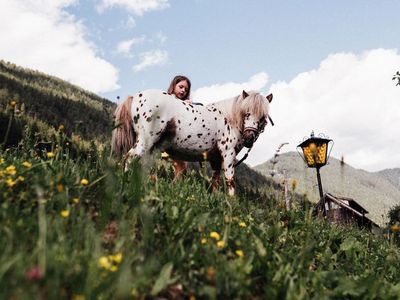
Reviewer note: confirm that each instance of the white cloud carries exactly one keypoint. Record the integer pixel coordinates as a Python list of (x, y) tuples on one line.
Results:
[(41, 35), (351, 98), (151, 58), (124, 47), (226, 90), (137, 7)]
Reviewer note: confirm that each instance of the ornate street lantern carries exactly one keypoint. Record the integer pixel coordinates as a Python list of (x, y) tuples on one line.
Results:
[(316, 155)]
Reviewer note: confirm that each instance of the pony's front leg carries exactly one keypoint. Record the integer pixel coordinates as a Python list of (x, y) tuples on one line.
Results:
[(135, 152), (229, 172)]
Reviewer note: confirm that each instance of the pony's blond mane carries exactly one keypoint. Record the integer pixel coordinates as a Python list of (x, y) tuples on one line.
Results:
[(255, 104), (123, 136)]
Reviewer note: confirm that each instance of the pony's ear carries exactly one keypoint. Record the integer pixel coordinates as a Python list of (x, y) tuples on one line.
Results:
[(244, 94), (269, 97)]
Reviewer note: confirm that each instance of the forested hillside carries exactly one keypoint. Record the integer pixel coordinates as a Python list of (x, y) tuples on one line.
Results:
[(56, 102)]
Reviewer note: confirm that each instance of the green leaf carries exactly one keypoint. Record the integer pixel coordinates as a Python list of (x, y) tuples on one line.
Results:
[(164, 279), (260, 247)]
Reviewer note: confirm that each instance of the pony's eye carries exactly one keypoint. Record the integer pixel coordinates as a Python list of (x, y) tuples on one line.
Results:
[(247, 115)]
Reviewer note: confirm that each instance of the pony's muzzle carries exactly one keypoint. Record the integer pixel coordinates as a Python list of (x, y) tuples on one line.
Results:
[(249, 137)]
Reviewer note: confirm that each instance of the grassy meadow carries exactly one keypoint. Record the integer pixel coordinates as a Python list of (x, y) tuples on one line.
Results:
[(73, 225)]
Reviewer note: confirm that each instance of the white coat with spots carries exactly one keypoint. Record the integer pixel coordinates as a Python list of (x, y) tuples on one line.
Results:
[(153, 119)]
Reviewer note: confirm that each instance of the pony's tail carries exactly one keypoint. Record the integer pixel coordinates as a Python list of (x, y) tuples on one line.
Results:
[(123, 136)]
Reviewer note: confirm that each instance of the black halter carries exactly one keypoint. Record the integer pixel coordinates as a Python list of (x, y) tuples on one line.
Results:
[(257, 132)]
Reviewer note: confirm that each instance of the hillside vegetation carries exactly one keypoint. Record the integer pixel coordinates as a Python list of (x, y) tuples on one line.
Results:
[(83, 229), (54, 102)]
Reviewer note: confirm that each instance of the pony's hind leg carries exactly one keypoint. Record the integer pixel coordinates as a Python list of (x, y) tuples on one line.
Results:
[(138, 151), (216, 174)]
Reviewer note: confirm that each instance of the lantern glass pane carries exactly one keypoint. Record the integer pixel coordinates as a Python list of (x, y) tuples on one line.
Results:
[(309, 155), (321, 154)]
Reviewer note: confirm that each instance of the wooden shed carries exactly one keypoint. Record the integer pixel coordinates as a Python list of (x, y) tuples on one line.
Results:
[(344, 210)]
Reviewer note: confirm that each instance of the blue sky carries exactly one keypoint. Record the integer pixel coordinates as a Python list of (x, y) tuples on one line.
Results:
[(328, 63)]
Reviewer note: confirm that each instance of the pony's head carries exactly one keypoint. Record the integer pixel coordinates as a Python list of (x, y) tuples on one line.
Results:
[(252, 114)]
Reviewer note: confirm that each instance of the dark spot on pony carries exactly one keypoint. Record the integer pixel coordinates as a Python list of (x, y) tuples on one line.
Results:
[(140, 95), (148, 119), (189, 136), (199, 135)]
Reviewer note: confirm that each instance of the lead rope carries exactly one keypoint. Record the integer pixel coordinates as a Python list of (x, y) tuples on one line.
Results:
[(243, 158)]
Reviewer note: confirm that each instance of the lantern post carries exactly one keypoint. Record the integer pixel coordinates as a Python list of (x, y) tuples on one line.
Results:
[(316, 155)]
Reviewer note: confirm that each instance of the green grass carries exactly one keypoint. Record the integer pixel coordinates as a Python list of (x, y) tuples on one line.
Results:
[(139, 235)]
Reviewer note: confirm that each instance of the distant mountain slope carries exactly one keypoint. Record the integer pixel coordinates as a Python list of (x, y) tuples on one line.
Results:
[(376, 192), (393, 175), (55, 101)]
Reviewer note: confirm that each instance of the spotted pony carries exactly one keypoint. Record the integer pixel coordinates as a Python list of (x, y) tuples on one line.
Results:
[(153, 119)]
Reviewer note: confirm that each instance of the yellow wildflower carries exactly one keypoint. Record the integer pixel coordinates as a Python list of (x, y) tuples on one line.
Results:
[(84, 181), (395, 228), (27, 164), (113, 268), (164, 155), (2, 161), (104, 262), (10, 182), (76, 200), (64, 213), (10, 170), (203, 241), (220, 244), (215, 235), (242, 224), (239, 253), (211, 272), (20, 178), (60, 187), (61, 127), (78, 297), (192, 297), (13, 103), (50, 154), (294, 184), (117, 258)]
